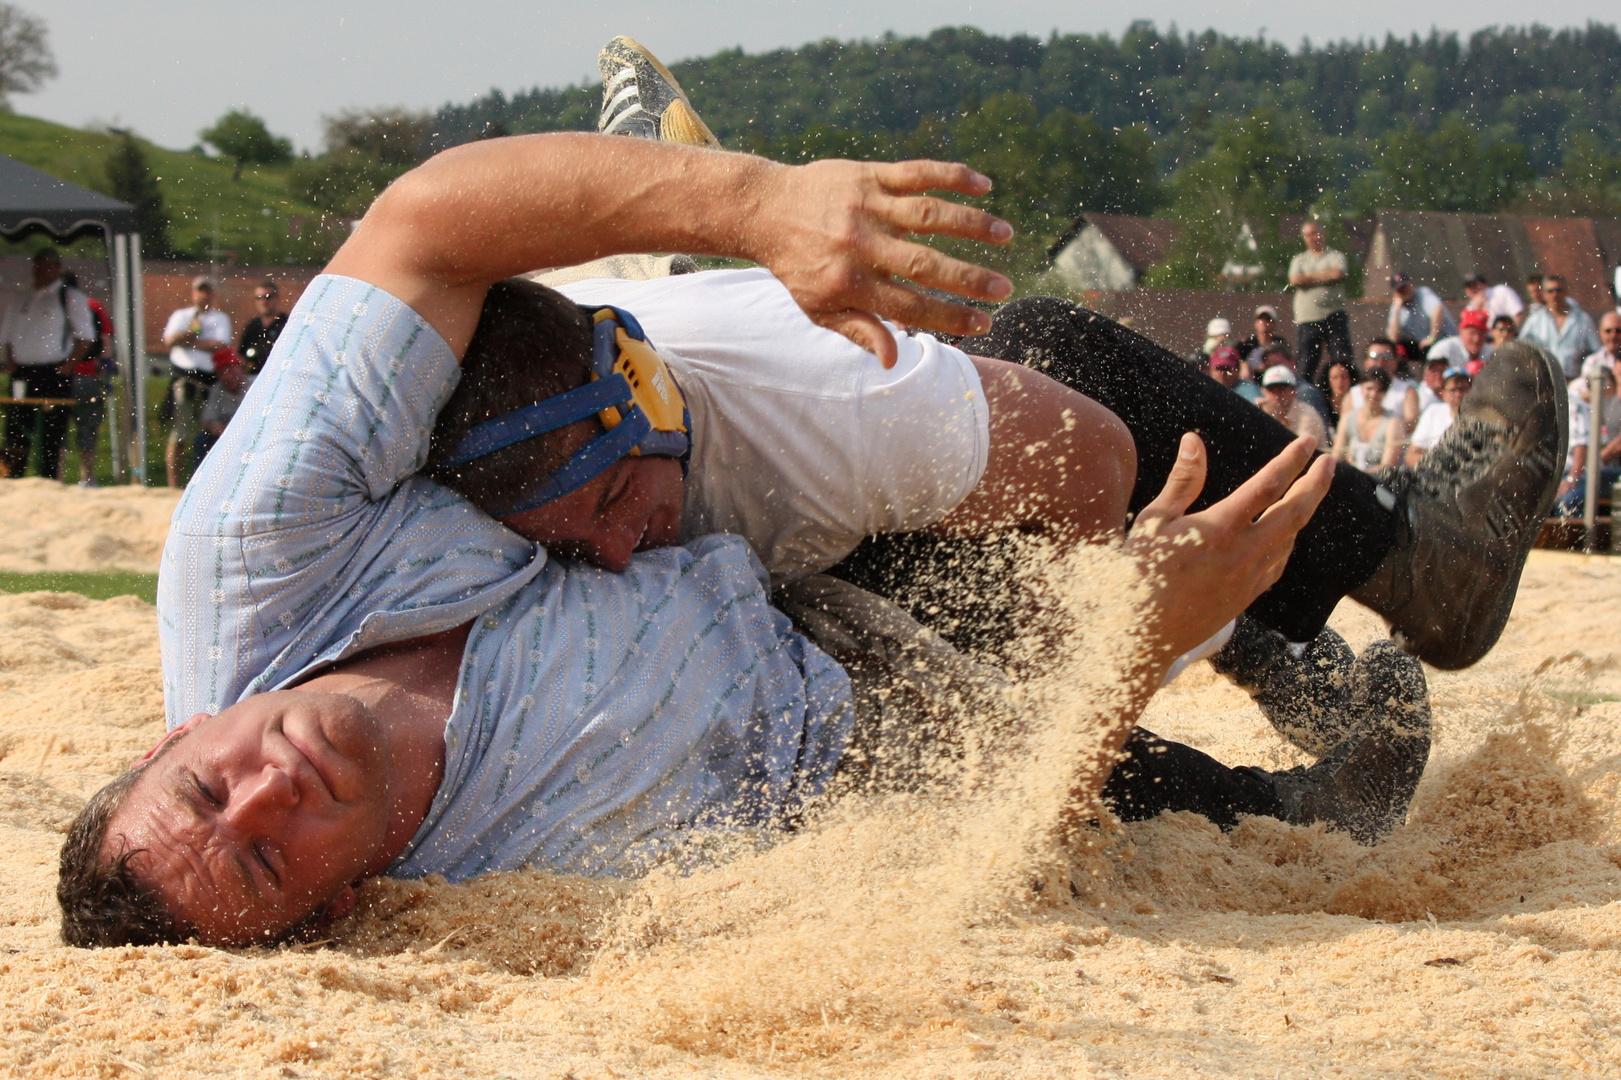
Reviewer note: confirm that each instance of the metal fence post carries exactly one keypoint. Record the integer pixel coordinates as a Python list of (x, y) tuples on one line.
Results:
[(1595, 471)]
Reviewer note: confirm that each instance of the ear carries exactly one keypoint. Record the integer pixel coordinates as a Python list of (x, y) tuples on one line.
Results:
[(170, 737)]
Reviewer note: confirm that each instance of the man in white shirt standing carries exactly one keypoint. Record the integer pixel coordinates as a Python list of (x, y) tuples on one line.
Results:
[(1318, 277), (1561, 327), (192, 336), (45, 336), (1609, 351), (1468, 348)]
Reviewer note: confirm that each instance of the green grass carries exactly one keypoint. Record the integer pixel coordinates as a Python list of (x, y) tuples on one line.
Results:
[(96, 586), (253, 212)]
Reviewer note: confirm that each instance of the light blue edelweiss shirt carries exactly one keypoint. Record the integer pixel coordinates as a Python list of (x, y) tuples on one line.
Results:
[(597, 716)]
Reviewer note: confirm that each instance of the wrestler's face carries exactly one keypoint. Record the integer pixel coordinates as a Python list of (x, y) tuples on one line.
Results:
[(261, 816), (633, 505)]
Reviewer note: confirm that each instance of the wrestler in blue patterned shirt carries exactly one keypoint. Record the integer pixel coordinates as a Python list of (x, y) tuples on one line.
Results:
[(595, 712)]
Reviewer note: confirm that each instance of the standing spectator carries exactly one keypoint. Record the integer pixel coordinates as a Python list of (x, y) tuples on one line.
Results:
[(1468, 348), (260, 334), (1504, 330), (1434, 381), (46, 336), (232, 381), (1369, 437), (1216, 333), (1438, 417), (192, 336), (1339, 388), (1573, 488), (1418, 318), (1227, 369), (1317, 275), (1561, 328), (1278, 401), (1265, 333), (1494, 300), (90, 378), (1400, 398), (1609, 351)]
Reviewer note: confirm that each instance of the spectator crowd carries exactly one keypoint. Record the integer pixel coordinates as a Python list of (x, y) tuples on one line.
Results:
[(1394, 405), (57, 350)]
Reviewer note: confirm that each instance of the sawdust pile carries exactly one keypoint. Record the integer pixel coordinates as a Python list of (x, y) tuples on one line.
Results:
[(900, 937), (52, 526)]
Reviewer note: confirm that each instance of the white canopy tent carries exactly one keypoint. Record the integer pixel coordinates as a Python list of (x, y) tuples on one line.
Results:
[(31, 202)]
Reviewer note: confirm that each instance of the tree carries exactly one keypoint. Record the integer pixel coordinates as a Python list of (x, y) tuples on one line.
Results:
[(25, 54), (341, 182), (244, 138), (1228, 200), (130, 179), (395, 136)]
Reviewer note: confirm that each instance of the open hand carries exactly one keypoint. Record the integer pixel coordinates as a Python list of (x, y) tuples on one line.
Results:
[(1210, 566), (834, 233)]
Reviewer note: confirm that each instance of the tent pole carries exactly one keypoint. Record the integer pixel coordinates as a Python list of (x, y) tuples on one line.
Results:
[(117, 412), (137, 322)]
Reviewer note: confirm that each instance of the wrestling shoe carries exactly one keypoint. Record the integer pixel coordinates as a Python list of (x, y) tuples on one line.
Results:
[(641, 98), (1302, 690), (1364, 785), (1467, 516)]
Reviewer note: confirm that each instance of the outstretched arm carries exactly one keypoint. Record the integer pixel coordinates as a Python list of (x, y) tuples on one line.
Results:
[(832, 231)]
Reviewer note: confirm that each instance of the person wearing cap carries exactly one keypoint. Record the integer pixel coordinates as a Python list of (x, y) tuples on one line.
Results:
[(1216, 333), (1468, 348), (192, 335), (1276, 353), (1561, 327), (1265, 333), (232, 381), (1369, 437), (1227, 369), (1318, 277), (1279, 401), (1438, 416), (47, 333), (1418, 317), (1495, 300)]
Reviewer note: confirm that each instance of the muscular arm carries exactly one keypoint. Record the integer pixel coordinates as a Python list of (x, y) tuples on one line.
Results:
[(831, 231)]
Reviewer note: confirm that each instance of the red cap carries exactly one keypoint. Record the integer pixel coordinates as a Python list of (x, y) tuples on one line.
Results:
[(1224, 356), (225, 356), (1475, 317)]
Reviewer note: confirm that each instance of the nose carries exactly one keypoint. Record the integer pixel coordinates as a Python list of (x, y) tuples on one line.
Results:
[(260, 800)]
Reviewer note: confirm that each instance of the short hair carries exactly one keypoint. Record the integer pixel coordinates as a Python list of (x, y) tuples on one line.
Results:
[(531, 343), (103, 903), (1378, 375), (1546, 278), (1386, 342), (1501, 319), (270, 283), (1534, 278), (1458, 377), (1280, 348), (48, 254)]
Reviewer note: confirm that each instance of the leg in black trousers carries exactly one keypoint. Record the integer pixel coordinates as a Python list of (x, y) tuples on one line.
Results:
[(1159, 397)]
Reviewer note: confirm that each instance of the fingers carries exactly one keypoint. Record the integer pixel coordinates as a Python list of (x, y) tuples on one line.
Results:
[(925, 214), (1182, 486), (1290, 513), (936, 270), (865, 330), (1267, 485), (905, 177), (896, 301)]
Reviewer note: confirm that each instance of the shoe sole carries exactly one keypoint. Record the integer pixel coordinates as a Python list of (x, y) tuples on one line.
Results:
[(677, 122)]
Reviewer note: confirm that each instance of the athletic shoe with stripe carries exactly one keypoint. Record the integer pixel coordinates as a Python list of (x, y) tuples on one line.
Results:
[(640, 98)]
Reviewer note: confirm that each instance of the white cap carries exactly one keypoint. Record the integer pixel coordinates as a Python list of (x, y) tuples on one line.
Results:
[(1279, 375), (1218, 327)]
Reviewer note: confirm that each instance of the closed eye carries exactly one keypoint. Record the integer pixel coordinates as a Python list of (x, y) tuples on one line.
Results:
[(264, 861), (206, 793), (616, 488)]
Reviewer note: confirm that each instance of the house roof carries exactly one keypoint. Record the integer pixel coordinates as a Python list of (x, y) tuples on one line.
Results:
[(1142, 241)]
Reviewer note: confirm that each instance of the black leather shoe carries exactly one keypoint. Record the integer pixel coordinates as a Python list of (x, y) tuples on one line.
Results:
[(1468, 515)]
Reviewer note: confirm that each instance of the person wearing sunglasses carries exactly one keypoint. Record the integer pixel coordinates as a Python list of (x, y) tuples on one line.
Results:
[(260, 334), (1561, 327)]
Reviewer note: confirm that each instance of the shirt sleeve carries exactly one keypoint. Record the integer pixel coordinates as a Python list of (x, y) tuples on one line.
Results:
[(179, 319), (79, 316)]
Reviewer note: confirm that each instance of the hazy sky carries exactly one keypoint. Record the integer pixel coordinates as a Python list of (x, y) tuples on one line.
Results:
[(167, 68)]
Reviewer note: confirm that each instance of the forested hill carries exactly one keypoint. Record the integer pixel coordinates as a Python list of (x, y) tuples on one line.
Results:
[(1535, 87)]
